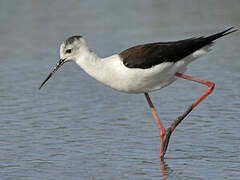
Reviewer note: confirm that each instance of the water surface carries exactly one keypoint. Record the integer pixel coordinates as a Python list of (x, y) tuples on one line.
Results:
[(76, 128)]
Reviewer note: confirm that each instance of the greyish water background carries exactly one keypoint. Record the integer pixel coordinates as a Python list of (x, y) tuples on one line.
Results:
[(76, 128)]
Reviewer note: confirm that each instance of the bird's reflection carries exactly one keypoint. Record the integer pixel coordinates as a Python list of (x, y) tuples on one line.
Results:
[(165, 170)]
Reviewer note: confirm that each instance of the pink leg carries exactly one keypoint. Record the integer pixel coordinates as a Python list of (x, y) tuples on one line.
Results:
[(166, 134), (210, 85), (180, 118), (159, 123), (207, 83)]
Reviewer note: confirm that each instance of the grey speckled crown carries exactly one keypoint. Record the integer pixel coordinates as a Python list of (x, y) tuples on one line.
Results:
[(71, 39)]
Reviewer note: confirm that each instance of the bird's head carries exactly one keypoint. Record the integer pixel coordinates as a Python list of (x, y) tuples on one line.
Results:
[(71, 49)]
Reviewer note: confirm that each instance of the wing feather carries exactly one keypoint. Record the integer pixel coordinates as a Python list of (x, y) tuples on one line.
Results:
[(148, 55)]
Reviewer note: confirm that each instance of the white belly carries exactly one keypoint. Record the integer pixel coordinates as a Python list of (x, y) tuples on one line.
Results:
[(113, 73), (136, 80)]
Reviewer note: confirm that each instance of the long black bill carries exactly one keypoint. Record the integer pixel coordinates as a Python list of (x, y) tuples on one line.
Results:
[(58, 65)]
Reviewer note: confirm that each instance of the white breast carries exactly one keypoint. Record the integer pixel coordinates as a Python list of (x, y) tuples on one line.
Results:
[(113, 73)]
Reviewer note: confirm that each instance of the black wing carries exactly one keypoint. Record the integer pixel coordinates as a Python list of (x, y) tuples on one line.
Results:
[(148, 55)]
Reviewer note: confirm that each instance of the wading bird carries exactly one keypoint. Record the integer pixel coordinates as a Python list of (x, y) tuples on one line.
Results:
[(142, 69)]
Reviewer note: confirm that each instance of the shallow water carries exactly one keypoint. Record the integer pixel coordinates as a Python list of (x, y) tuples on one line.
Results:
[(76, 128)]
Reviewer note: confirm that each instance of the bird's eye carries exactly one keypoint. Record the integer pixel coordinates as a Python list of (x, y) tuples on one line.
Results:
[(68, 51)]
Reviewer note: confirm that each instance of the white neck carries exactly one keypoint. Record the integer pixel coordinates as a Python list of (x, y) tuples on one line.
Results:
[(88, 61), (95, 66)]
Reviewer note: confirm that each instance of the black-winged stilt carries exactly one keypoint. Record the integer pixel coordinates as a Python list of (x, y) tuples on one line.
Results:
[(142, 69)]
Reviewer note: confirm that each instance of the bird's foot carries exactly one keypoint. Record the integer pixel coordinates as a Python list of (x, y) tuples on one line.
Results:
[(169, 131)]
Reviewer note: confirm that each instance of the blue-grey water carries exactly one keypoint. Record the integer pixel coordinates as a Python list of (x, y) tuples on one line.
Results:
[(76, 128)]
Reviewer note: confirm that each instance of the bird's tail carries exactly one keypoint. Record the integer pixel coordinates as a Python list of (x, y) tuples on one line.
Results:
[(221, 34)]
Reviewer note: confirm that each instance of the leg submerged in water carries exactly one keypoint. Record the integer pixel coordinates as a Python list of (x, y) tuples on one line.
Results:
[(158, 121), (166, 134)]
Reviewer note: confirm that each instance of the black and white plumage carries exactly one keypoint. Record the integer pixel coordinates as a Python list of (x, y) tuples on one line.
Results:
[(142, 69), (139, 69), (148, 55)]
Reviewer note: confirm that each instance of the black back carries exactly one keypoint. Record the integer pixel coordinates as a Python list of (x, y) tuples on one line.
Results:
[(148, 55)]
